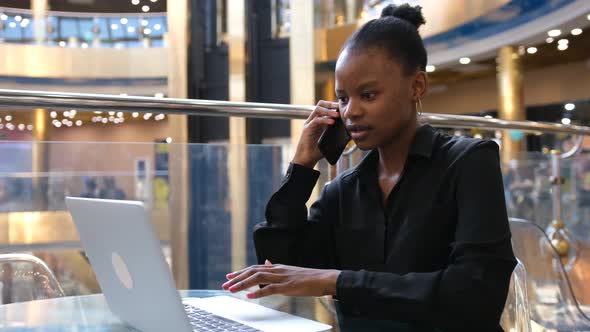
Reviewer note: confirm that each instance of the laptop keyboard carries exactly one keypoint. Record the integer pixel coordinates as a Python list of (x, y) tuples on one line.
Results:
[(205, 321)]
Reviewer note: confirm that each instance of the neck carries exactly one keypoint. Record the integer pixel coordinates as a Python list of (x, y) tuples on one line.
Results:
[(393, 155)]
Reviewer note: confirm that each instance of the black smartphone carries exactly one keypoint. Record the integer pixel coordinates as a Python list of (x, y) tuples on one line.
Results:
[(333, 141)]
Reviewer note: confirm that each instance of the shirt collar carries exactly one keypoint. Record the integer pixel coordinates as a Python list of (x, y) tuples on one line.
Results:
[(422, 145)]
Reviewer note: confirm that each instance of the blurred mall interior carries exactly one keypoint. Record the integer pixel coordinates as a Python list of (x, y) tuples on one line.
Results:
[(199, 175)]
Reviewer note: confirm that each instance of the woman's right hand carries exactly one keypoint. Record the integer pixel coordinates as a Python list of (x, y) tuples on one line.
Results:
[(307, 153)]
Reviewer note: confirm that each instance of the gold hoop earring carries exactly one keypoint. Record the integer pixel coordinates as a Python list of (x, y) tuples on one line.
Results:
[(419, 107)]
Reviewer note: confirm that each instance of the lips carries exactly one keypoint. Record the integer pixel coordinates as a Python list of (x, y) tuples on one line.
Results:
[(357, 132)]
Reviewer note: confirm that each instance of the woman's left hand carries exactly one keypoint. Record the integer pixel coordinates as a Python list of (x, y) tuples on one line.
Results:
[(283, 279)]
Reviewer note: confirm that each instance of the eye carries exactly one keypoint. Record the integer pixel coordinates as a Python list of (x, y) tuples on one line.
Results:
[(343, 99), (368, 95)]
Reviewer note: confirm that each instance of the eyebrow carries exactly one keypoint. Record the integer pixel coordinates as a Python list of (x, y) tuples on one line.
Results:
[(363, 86)]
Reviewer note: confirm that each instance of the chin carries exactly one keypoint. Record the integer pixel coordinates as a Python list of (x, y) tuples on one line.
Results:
[(365, 145)]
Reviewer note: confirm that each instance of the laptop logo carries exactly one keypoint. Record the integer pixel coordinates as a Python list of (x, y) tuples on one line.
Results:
[(121, 270)]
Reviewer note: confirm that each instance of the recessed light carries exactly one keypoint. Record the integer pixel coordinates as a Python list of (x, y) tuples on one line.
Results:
[(577, 32), (464, 61), (566, 121), (554, 33), (562, 47), (145, 8), (563, 41), (569, 106), (124, 20), (430, 68), (531, 50), (135, 2)]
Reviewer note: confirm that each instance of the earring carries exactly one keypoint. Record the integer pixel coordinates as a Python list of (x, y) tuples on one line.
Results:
[(419, 107)]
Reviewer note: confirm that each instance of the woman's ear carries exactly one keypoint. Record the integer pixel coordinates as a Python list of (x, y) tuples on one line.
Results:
[(419, 85)]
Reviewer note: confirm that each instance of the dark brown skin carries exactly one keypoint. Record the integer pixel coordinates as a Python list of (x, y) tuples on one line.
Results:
[(377, 103)]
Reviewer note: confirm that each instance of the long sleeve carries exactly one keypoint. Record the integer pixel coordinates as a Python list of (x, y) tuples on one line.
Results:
[(289, 236), (470, 293)]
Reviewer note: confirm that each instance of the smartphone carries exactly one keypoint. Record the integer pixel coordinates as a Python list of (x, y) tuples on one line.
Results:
[(333, 141)]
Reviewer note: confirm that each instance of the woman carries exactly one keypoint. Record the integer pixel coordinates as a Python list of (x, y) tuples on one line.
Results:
[(418, 231)]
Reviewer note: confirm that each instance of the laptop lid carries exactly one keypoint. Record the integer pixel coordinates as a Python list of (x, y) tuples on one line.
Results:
[(127, 258)]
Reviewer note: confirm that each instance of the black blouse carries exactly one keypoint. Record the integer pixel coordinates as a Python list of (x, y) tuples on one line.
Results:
[(436, 255)]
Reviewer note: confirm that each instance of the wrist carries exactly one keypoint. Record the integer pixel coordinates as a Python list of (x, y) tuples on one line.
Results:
[(303, 162), (330, 279)]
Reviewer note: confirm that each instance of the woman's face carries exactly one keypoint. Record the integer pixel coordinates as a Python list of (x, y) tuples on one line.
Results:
[(377, 100)]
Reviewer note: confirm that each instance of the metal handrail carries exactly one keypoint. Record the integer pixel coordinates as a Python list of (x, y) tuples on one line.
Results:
[(98, 102)]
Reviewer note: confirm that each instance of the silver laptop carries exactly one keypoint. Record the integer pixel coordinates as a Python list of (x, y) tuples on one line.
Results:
[(136, 281)]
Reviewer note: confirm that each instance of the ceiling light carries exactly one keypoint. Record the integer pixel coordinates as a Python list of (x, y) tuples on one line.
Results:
[(588, 17), (566, 121), (66, 114), (97, 112), (147, 116), (144, 23), (145, 8), (30, 127), (105, 120), (430, 68), (577, 32), (12, 25), (569, 107), (147, 31), (120, 114), (79, 123), (157, 27), (10, 126), (124, 20), (114, 26), (154, 0), (168, 140), (549, 40), (554, 33), (562, 47), (57, 124), (8, 118), (134, 114), (21, 127), (23, 24), (464, 61), (563, 41), (18, 18), (130, 29), (3, 17), (111, 113), (488, 117), (135, 2), (531, 50), (53, 114), (62, 43), (159, 95)]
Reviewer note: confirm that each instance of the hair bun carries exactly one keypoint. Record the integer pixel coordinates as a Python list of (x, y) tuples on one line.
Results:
[(405, 12)]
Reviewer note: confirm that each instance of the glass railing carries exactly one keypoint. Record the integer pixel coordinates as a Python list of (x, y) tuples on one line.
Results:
[(226, 195), (83, 30)]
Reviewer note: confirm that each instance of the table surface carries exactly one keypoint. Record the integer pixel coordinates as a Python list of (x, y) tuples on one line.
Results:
[(91, 313)]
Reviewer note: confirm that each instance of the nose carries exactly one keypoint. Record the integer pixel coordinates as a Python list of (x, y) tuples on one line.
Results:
[(352, 110)]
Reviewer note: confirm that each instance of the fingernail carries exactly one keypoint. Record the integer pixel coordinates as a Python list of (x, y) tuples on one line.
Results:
[(250, 295), (233, 288), (224, 286), (229, 275)]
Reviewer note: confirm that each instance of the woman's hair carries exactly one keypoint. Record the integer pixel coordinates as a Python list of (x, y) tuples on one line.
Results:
[(395, 32)]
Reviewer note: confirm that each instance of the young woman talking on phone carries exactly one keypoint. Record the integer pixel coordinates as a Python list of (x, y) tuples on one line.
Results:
[(418, 231)]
